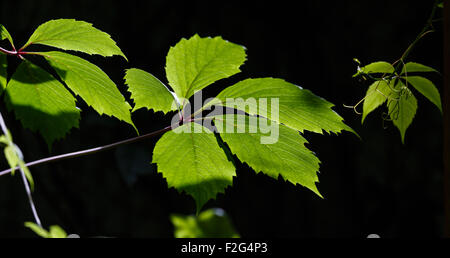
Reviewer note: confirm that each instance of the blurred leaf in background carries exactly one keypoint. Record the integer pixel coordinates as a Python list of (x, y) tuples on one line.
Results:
[(212, 223), (54, 231)]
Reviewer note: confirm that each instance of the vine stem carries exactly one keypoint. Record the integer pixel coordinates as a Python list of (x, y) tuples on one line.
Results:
[(30, 198), (92, 150), (425, 30), (24, 179)]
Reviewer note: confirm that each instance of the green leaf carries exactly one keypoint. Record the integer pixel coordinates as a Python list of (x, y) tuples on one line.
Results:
[(91, 83), (377, 67), (426, 88), (149, 92), (4, 34), (298, 108), (193, 162), (4, 140), (3, 73), (376, 95), (212, 223), (402, 109), (281, 151), (11, 154), (186, 226), (70, 34), (197, 62), (11, 157), (413, 67), (57, 232), (37, 229), (41, 102)]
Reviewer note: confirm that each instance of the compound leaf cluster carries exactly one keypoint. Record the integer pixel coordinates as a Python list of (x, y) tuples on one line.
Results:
[(196, 154), (393, 89), (43, 102), (193, 157)]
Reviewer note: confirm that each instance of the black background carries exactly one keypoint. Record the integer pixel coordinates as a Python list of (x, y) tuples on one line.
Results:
[(373, 185)]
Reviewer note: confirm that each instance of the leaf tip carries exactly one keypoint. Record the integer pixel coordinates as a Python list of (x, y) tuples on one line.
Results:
[(123, 55)]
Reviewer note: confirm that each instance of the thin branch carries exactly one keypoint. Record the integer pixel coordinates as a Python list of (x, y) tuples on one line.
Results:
[(30, 198), (91, 151), (24, 179)]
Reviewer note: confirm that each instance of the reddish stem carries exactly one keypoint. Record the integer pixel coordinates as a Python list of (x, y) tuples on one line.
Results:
[(14, 52), (8, 52)]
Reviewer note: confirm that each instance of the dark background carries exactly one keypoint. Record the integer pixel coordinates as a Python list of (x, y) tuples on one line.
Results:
[(373, 185)]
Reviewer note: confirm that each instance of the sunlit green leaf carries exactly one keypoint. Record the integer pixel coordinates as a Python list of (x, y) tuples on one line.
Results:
[(427, 88), (70, 34), (376, 95), (271, 148), (298, 108), (402, 109), (4, 34), (413, 67), (193, 162), (149, 92), (197, 62), (91, 83), (378, 67)]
